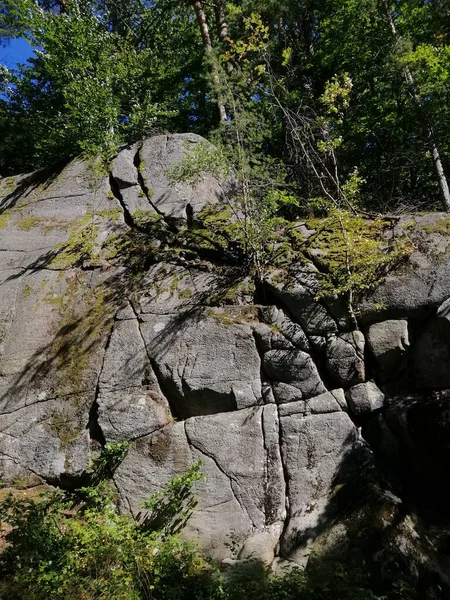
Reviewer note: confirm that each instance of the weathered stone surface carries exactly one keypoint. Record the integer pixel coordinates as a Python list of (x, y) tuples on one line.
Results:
[(388, 341), (171, 289), (125, 182), (295, 368), (284, 327), (443, 312), (48, 439), (49, 370), (316, 450), (345, 358), (206, 363), (140, 177), (285, 393), (364, 398), (92, 349), (423, 282), (262, 546), (160, 153), (130, 402), (297, 293), (328, 402), (244, 488)]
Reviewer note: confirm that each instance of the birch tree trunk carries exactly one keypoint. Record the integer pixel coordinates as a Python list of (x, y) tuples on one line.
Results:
[(422, 116), (222, 28), (207, 45)]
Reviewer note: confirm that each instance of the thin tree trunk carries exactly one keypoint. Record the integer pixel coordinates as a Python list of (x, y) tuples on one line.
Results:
[(207, 45), (222, 28), (421, 113)]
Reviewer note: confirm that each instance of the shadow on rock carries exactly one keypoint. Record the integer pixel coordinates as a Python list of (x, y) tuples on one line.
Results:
[(28, 184)]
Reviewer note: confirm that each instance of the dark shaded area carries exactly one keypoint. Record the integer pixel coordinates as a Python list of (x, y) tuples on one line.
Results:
[(388, 538), (27, 184)]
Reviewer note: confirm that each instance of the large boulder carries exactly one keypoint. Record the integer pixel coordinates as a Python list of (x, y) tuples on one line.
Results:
[(140, 177), (206, 361), (364, 398), (295, 368), (345, 358), (420, 284), (297, 293), (389, 342)]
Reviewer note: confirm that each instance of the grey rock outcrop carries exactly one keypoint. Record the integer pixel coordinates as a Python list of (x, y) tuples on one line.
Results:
[(106, 336), (388, 341), (364, 398), (424, 282), (345, 358), (295, 368), (298, 296), (140, 178)]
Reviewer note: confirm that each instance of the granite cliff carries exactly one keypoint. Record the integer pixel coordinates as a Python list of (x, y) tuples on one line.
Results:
[(315, 436)]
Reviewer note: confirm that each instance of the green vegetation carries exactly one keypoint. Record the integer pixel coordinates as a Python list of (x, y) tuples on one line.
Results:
[(442, 226), (79, 247), (351, 254), (26, 292), (240, 315), (343, 104), (4, 219), (77, 545)]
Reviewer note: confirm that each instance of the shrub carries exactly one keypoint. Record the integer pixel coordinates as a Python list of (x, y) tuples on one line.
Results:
[(78, 546)]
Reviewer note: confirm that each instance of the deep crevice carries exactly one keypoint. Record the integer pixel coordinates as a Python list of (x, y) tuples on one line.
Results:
[(286, 487), (267, 496), (137, 161), (95, 431), (161, 383), (115, 189)]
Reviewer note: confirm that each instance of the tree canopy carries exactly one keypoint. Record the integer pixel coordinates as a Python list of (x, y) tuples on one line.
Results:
[(351, 97)]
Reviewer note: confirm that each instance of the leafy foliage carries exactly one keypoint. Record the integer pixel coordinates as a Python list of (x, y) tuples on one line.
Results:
[(78, 545), (169, 510), (92, 82), (352, 253)]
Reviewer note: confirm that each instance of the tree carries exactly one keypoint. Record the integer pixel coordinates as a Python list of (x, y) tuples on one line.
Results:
[(421, 113), (171, 65), (207, 44), (97, 79)]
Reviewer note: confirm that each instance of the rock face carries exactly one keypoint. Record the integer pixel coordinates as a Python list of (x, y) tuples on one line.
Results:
[(364, 398), (104, 337), (389, 341)]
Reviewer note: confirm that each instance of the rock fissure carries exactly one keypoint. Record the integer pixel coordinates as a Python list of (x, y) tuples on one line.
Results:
[(94, 427), (231, 479), (316, 354), (137, 161), (153, 363), (286, 485), (127, 217)]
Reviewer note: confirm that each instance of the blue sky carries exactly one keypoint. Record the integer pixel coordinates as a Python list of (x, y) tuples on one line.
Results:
[(16, 51)]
